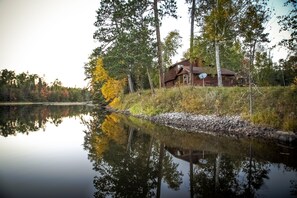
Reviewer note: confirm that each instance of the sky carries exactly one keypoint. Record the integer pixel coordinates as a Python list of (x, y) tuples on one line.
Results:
[(51, 38), (54, 38)]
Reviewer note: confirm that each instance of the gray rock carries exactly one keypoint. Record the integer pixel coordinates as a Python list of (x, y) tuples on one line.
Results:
[(223, 125)]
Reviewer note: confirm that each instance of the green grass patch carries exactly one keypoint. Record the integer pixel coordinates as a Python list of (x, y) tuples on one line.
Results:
[(272, 106)]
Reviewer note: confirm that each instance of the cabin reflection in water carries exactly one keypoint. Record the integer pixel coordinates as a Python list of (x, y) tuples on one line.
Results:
[(195, 157), (217, 175)]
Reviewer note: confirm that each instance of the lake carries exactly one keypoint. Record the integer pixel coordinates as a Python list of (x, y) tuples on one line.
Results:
[(81, 151)]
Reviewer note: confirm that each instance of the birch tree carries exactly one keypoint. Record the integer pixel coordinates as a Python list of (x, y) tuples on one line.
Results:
[(251, 28), (218, 21)]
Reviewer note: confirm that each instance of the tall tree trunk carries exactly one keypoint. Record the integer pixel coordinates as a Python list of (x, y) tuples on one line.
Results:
[(252, 54), (131, 131), (160, 169), (249, 177), (192, 42), (150, 80), (146, 188), (130, 83), (218, 64), (217, 172), (217, 52), (159, 44), (250, 92), (191, 174)]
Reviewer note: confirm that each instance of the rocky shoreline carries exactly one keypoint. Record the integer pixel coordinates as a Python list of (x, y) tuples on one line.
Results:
[(232, 126)]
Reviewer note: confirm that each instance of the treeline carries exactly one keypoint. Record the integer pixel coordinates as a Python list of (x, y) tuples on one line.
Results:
[(25, 87)]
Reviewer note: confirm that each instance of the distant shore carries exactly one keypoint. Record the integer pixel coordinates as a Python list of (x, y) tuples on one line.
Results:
[(45, 103)]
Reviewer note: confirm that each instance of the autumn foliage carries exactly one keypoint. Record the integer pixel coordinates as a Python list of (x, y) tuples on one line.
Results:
[(111, 88), (25, 87), (100, 74)]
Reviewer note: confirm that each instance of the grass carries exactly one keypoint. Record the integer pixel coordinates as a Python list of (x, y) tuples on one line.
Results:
[(272, 106)]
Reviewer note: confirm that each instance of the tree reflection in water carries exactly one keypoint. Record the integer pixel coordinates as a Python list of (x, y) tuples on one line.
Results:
[(134, 158), (128, 162), (28, 118)]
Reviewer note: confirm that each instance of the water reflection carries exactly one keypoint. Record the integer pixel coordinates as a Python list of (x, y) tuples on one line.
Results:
[(135, 158), (128, 162), (46, 163), (28, 118)]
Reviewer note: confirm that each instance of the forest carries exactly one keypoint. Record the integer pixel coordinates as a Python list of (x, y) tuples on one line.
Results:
[(132, 56), (25, 87)]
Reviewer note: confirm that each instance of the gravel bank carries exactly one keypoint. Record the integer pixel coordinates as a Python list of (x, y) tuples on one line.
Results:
[(219, 125)]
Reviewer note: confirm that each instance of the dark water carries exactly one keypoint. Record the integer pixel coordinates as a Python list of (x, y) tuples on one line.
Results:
[(76, 151)]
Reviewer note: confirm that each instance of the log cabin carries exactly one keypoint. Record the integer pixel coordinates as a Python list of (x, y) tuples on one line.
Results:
[(179, 74)]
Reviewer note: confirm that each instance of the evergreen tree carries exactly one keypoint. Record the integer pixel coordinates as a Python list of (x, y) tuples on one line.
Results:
[(124, 30)]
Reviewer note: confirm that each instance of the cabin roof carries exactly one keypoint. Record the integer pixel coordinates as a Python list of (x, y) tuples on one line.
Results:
[(185, 62), (183, 67), (208, 70)]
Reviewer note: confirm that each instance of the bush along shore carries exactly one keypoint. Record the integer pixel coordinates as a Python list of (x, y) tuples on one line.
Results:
[(219, 110)]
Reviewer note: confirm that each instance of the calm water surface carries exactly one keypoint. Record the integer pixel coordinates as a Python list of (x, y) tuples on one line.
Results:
[(77, 151)]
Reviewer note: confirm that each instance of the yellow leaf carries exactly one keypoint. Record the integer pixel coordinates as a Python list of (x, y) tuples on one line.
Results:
[(112, 88), (100, 74)]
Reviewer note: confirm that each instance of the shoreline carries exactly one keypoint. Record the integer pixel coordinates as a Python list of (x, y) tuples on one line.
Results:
[(44, 103), (271, 108), (231, 126)]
